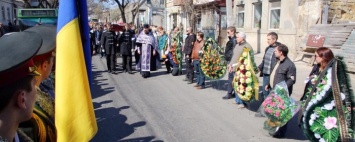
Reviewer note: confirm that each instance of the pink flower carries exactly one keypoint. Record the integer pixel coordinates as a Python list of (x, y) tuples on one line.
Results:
[(277, 113), (264, 104), (324, 82), (279, 106), (330, 122), (283, 107)]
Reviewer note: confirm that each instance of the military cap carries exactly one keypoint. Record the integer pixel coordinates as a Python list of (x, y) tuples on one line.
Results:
[(16, 52), (146, 26), (48, 34)]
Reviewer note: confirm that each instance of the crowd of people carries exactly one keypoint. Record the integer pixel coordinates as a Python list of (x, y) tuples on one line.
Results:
[(275, 67), (27, 93)]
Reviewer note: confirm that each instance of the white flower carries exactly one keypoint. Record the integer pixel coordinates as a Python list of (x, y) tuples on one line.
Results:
[(318, 97), (314, 116), (342, 96), (311, 122), (317, 135), (322, 140), (330, 122), (328, 106)]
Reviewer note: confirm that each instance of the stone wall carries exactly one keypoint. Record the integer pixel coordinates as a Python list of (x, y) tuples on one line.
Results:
[(342, 10)]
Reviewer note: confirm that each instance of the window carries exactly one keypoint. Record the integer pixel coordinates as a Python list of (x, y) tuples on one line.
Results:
[(240, 16), (257, 15), (198, 23), (8, 14), (223, 18), (275, 10), (3, 13)]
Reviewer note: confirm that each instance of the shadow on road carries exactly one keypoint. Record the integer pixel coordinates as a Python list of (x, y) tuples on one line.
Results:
[(112, 125), (217, 84), (96, 87)]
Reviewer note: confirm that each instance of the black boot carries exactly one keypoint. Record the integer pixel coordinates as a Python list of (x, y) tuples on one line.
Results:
[(228, 96)]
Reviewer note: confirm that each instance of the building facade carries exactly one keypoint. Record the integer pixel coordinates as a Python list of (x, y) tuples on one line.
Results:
[(9, 11), (259, 17)]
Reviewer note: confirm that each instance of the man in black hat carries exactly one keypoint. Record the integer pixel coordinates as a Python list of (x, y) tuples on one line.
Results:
[(147, 48), (43, 114), (125, 41), (17, 83), (108, 42)]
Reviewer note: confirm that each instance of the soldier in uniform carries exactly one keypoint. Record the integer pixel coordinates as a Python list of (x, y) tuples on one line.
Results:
[(17, 83), (41, 126), (108, 42), (125, 42)]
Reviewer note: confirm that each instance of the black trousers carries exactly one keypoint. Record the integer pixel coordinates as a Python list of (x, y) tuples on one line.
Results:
[(110, 61), (189, 69), (127, 62), (230, 88)]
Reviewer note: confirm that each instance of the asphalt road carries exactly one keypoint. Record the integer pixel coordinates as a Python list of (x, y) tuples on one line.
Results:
[(165, 108)]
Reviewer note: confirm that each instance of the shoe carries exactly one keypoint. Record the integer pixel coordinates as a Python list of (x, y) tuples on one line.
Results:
[(109, 71), (186, 79), (189, 82), (113, 72), (258, 114), (196, 85), (130, 72), (199, 87), (240, 106), (226, 97)]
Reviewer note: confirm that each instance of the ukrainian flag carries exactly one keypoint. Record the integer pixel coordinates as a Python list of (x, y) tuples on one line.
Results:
[(74, 114)]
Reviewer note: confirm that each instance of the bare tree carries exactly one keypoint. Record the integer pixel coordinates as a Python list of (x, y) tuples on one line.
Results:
[(190, 12), (135, 9), (95, 8), (122, 5)]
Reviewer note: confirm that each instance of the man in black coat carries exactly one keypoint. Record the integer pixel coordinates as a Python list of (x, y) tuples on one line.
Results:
[(97, 35), (108, 42), (125, 42), (228, 54), (187, 49)]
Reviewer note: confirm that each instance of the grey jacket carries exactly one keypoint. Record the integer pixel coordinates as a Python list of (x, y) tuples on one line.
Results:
[(273, 59), (238, 50), (285, 72)]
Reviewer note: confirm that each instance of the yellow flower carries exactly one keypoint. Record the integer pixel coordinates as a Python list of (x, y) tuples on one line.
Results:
[(241, 67), (249, 89), (248, 67), (248, 80), (248, 94), (241, 75), (245, 54), (242, 80), (240, 59), (240, 87), (248, 74), (241, 91)]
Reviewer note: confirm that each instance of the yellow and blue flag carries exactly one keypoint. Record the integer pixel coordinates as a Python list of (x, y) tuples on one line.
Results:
[(74, 113)]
